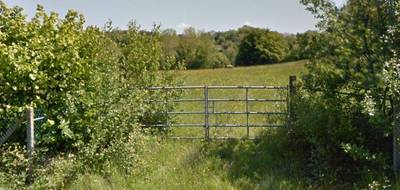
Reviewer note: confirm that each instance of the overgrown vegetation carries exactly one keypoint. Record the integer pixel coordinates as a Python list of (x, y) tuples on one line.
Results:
[(348, 99), (90, 88), (238, 164), (91, 85)]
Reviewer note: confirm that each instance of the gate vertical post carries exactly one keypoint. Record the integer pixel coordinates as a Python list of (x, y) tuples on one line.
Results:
[(247, 112), (30, 133), (167, 125), (206, 116), (396, 140), (292, 93)]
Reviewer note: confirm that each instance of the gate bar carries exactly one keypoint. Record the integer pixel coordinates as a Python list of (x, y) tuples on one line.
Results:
[(216, 125), (245, 125), (249, 99), (213, 138), (249, 87), (174, 87), (207, 112), (219, 87), (224, 100), (221, 113)]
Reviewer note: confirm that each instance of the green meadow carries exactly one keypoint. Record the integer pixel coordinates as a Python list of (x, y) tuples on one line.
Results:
[(271, 75), (196, 164), (276, 74)]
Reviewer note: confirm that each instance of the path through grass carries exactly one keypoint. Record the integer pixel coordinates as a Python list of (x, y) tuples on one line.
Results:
[(216, 165)]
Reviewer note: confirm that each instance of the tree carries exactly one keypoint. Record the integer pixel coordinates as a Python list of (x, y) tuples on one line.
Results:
[(293, 51), (197, 50), (309, 43), (348, 104), (228, 42), (261, 46)]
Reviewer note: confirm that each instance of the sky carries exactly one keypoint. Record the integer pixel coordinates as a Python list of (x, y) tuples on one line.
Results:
[(286, 16)]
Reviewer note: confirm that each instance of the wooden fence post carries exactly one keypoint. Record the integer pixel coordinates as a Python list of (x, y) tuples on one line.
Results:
[(292, 94), (30, 133)]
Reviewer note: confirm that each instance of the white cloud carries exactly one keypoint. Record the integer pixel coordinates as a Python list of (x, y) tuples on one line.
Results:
[(247, 23), (183, 25)]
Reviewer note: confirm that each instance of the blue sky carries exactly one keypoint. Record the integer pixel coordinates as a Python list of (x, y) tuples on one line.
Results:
[(286, 16)]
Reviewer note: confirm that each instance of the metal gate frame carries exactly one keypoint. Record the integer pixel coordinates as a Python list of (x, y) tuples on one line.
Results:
[(206, 125)]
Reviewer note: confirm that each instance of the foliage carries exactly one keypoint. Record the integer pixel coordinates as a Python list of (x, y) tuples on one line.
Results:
[(91, 89), (304, 45), (194, 49), (228, 42), (261, 47), (309, 44), (293, 47), (346, 105), (13, 166), (196, 165), (212, 49)]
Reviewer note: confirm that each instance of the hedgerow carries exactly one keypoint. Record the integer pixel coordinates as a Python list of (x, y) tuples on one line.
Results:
[(347, 102), (91, 89)]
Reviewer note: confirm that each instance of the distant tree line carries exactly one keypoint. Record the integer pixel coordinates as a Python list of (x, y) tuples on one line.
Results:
[(245, 46)]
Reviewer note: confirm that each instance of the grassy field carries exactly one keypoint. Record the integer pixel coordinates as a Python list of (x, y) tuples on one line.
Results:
[(277, 74), (216, 165), (272, 75)]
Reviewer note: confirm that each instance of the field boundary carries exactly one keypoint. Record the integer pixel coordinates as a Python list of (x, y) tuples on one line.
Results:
[(209, 103)]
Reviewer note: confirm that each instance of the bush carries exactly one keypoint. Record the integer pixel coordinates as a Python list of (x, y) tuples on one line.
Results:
[(339, 144), (13, 166), (347, 103), (92, 90)]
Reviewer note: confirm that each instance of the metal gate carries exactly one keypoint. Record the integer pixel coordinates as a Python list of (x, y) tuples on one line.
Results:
[(209, 105)]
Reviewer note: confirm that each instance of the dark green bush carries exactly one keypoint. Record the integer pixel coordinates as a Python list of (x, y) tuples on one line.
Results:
[(340, 144), (346, 104)]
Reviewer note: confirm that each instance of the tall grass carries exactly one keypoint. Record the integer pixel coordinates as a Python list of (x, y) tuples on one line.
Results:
[(172, 164)]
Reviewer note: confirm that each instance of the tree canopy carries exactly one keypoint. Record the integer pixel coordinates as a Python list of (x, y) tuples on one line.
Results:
[(261, 47)]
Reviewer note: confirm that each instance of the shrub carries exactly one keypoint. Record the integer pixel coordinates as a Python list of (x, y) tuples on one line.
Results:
[(92, 90), (13, 166), (346, 106)]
